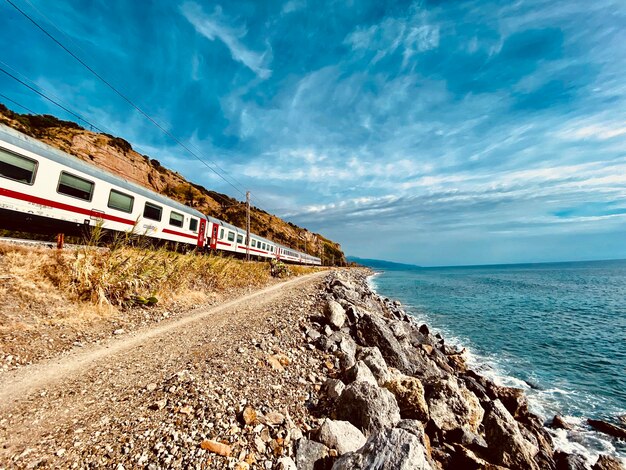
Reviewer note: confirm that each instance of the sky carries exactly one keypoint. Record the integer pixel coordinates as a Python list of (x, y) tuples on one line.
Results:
[(428, 132)]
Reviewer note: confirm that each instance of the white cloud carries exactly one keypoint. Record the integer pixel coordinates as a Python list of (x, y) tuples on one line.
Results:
[(217, 26), (412, 35)]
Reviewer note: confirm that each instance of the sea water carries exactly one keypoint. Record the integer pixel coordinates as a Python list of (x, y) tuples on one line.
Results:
[(556, 330)]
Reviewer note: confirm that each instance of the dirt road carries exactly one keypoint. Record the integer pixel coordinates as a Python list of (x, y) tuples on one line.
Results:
[(68, 410)]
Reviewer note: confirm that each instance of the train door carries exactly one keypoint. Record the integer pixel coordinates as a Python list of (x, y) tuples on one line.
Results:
[(201, 233), (214, 232)]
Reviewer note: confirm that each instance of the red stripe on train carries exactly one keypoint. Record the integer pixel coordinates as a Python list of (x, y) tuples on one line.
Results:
[(62, 206), (180, 234)]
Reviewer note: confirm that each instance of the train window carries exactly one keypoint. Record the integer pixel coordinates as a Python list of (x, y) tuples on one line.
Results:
[(263, 247), (221, 233), (231, 236), (253, 243), (74, 186), (120, 201), (239, 238), (176, 219), (152, 211), (16, 167), (193, 224)]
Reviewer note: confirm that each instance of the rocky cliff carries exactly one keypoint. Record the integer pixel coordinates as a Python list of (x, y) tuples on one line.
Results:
[(118, 156)]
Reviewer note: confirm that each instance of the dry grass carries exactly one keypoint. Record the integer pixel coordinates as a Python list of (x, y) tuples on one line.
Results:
[(120, 275), (50, 299)]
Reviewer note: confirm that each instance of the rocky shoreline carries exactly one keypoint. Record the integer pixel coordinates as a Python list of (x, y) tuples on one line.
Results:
[(322, 374), (403, 399)]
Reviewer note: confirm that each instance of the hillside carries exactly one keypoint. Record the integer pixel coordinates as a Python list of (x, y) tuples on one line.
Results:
[(118, 156)]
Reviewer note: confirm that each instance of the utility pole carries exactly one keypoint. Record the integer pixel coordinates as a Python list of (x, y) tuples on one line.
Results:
[(247, 225)]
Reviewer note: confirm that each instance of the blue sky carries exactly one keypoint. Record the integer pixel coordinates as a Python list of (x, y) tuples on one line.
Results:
[(431, 132)]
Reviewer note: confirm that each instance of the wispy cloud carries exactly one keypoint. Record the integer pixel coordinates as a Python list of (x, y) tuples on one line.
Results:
[(217, 25)]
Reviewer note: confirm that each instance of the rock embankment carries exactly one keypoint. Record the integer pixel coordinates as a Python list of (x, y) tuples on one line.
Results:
[(402, 398)]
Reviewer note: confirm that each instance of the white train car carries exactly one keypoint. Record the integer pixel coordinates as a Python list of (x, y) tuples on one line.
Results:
[(44, 188)]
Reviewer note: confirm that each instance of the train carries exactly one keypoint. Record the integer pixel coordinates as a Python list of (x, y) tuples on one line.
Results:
[(45, 190)]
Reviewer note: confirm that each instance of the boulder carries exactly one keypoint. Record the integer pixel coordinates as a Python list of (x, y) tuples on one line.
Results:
[(360, 372), (466, 438), (465, 459), (513, 399), (606, 462), (607, 428), (368, 407), (335, 314), (286, 463), (565, 461), (388, 449), (347, 346), (451, 405), (376, 363), (507, 445), (409, 393), (333, 388), (340, 435), (559, 423), (373, 331), (416, 428), (309, 453)]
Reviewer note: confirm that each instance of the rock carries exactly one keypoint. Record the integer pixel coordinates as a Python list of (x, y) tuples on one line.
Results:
[(466, 438), (565, 461), (119, 331), (409, 393), (507, 446), (216, 447), (159, 405), (340, 435), (416, 428), (424, 329), (465, 459), (313, 334), (606, 462), (348, 347), (360, 372), (310, 455), (333, 388), (335, 314), (275, 363), (387, 449), (373, 331), (274, 418), (452, 405), (368, 407), (559, 423), (607, 428), (286, 463), (249, 415), (374, 360), (513, 399), (151, 387)]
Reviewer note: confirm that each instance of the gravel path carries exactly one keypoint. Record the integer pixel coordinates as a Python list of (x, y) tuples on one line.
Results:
[(175, 384)]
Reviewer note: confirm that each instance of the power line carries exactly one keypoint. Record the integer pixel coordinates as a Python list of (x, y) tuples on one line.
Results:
[(17, 104), (121, 95), (225, 203), (78, 116)]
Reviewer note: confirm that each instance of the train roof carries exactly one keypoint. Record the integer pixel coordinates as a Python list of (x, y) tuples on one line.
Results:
[(30, 144)]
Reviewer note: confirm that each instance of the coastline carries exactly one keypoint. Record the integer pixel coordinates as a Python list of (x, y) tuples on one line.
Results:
[(579, 437), (324, 374)]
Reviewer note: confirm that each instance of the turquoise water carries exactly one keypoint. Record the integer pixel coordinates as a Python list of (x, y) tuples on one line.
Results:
[(558, 330)]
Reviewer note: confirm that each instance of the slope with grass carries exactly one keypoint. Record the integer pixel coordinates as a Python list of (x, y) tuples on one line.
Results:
[(118, 156), (52, 301)]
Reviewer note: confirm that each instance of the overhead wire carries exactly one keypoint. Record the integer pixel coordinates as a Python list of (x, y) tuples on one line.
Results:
[(123, 96), (58, 102)]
